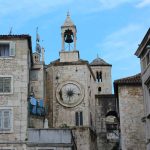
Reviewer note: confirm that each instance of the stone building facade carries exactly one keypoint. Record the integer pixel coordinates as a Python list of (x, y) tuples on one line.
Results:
[(131, 109), (107, 122), (71, 100), (143, 52), (15, 60), (55, 106)]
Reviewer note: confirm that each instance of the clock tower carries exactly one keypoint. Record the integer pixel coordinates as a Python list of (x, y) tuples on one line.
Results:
[(68, 51), (70, 91)]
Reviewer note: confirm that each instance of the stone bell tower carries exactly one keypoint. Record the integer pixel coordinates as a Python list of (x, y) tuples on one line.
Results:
[(68, 52)]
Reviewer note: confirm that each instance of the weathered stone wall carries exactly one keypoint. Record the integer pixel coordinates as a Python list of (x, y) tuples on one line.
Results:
[(37, 76), (64, 115), (49, 148), (104, 104), (146, 93), (85, 139), (69, 56), (36, 122), (14, 146), (49, 94), (131, 111), (106, 84), (18, 68), (51, 138)]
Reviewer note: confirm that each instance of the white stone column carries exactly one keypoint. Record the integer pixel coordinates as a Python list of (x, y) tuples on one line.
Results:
[(74, 40), (63, 42)]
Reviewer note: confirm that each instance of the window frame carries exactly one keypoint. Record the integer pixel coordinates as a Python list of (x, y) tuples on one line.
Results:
[(79, 118), (46, 148), (11, 84), (12, 49), (8, 130)]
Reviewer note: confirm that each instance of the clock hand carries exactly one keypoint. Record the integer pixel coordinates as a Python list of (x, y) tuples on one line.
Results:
[(69, 99)]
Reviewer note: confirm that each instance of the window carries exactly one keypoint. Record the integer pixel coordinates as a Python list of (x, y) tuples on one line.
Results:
[(5, 119), (99, 89), (79, 118), (99, 76), (7, 49), (148, 58), (5, 85)]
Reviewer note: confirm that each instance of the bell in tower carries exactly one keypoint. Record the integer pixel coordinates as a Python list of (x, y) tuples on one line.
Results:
[(68, 36), (68, 32)]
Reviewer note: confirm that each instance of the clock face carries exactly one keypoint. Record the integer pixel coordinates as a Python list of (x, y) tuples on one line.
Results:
[(69, 93)]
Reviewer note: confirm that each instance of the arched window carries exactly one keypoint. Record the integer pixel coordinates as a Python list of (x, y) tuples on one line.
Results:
[(99, 89)]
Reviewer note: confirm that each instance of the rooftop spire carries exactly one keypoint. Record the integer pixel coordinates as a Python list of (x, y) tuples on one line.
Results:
[(97, 55), (38, 47), (68, 13), (68, 21)]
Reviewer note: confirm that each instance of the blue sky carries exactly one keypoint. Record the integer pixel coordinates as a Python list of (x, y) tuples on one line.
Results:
[(110, 28)]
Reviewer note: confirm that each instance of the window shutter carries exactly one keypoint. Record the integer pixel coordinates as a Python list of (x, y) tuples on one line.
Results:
[(12, 48), (77, 119), (81, 118), (6, 119)]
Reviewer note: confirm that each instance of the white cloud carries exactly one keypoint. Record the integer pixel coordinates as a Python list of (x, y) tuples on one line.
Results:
[(143, 3), (121, 43), (29, 8), (90, 6)]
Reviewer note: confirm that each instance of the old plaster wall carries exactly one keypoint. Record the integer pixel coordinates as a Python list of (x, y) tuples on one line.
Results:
[(131, 112)]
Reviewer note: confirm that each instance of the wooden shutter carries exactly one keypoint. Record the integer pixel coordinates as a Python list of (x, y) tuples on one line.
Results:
[(6, 119), (12, 48)]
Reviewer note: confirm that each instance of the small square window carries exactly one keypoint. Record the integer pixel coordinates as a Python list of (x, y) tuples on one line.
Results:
[(5, 84), (4, 49), (7, 48)]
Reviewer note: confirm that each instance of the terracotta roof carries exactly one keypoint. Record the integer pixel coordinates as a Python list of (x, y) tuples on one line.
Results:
[(99, 62), (136, 79), (58, 63)]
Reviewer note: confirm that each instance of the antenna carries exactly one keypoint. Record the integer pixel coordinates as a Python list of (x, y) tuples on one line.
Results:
[(10, 31)]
